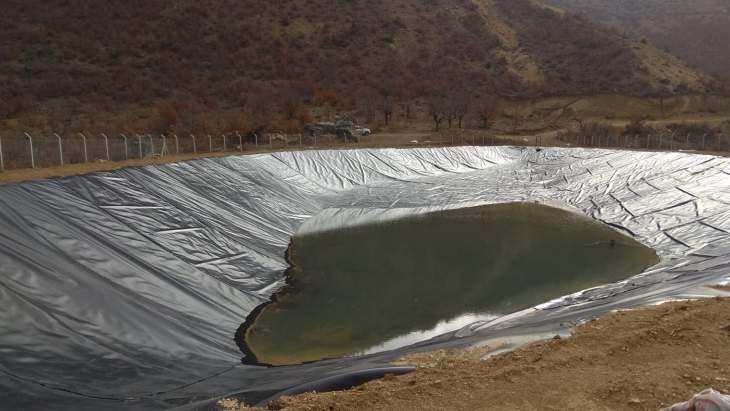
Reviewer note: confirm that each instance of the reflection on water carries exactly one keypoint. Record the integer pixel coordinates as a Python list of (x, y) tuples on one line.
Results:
[(421, 335), (379, 286)]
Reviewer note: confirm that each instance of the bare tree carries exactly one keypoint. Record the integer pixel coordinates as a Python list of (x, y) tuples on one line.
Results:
[(437, 109), (390, 86), (292, 99), (386, 107), (459, 106), (487, 112), (367, 98)]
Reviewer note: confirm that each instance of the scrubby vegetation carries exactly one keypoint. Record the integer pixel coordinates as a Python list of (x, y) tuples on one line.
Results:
[(696, 30), (220, 65)]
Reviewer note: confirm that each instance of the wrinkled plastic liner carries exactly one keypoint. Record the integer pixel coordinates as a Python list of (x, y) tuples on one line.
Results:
[(125, 288)]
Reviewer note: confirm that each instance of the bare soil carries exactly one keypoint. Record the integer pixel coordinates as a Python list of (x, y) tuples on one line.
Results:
[(644, 359), (25, 174)]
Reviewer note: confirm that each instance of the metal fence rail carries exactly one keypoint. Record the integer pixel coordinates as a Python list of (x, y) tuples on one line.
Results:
[(35, 151)]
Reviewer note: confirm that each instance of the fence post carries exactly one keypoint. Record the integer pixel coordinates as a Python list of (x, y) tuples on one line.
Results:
[(195, 146), (60, 148), (163, 149), (256, 140), (225, 142), (240, 141), (86, 154), (2, 162), (177, 145), (686, 140), (32, 155), (270, 145), (126, 147), (152, 145), (139, 144), (106, 145)]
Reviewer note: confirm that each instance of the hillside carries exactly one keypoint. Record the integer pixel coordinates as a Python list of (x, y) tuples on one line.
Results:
[(65, 64), (698, 31)]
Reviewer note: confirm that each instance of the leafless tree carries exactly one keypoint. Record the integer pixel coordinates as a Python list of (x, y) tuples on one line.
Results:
[(487, 111), (437, 109), (386, 107)]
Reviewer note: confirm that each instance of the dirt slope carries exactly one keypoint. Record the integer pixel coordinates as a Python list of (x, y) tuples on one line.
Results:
[(644, 359)]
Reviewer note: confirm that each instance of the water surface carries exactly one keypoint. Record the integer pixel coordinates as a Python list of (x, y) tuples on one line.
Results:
[(379, 286)]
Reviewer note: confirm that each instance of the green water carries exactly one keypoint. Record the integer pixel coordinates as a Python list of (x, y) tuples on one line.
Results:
[(355, 288)]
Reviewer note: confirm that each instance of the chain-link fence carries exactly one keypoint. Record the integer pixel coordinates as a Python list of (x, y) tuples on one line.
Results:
[(661, 142), (35, 151)]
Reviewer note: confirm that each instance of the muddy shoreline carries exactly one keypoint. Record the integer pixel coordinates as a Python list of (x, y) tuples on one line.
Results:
[(250, 357)]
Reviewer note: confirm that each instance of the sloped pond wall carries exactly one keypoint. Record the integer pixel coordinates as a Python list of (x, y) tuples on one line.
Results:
[(125, 288)]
